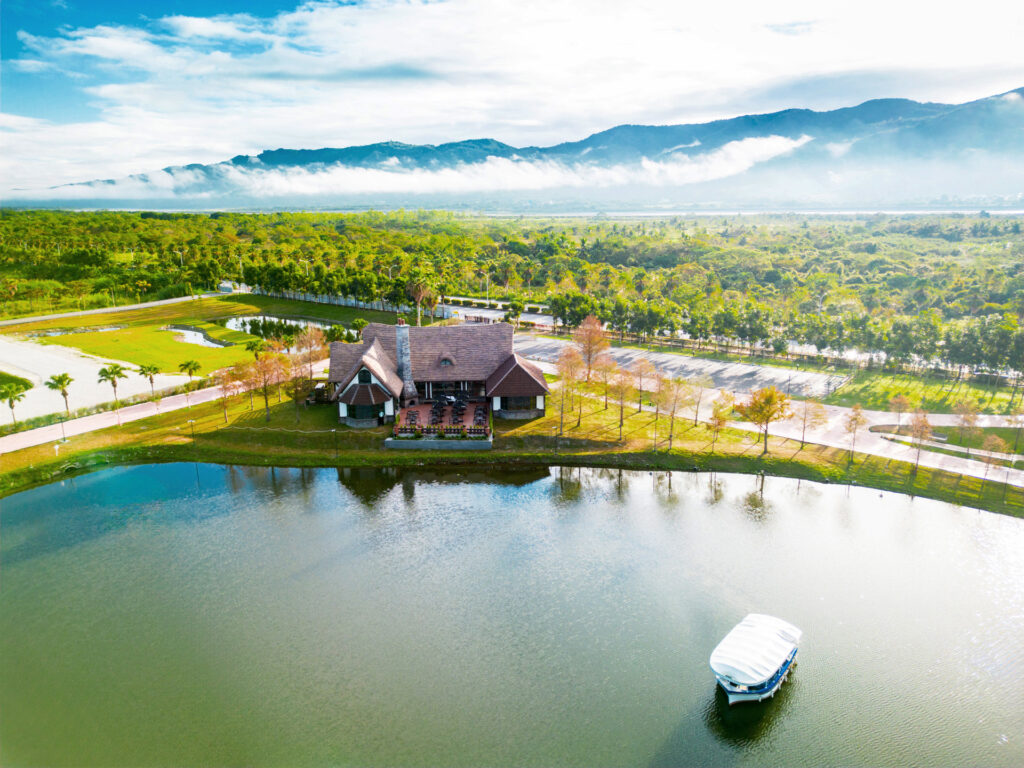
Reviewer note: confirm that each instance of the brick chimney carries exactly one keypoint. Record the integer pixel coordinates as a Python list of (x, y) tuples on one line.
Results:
[(401, 321)]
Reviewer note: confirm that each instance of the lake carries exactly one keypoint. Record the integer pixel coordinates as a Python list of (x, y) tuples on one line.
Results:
[(188, 614)]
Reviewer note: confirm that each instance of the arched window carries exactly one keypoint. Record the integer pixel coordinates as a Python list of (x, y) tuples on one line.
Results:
[(364, 376), (446, 361)]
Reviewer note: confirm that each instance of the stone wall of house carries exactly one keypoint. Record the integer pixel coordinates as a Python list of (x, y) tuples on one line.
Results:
[(360, 423), (448, 444), (530, 413)]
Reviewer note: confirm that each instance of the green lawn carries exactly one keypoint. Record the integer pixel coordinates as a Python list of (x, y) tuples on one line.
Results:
[(10, 378), (874, 389), (151, 345)]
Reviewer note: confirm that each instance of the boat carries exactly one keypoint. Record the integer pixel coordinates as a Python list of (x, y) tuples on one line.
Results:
[(755, 658)]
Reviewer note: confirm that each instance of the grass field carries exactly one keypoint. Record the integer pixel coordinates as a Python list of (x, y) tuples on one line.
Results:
[(141, 339), (10, 378), (211, 308), (305, 438), (874, 389)]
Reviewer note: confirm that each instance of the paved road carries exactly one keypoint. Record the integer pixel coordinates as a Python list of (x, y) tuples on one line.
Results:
[(42, 435), (104, 310), (37, 362), (734, 377)]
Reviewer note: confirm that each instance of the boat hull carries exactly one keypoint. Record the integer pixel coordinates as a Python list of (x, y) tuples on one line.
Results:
[(740, 694)]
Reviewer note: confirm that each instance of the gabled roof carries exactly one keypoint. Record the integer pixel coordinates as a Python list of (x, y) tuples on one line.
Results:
[(364, 394), (347, 359), (516, 377), (474, 350)]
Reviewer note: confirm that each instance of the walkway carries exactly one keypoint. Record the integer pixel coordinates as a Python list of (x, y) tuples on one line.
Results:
[(42, 435)]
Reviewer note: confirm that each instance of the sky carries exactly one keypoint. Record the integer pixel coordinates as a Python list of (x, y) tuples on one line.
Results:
[(104, 88)]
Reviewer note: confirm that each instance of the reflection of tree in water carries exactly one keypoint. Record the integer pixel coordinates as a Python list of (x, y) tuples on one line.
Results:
[(663, 490), (370, 484), (715, 490), (755, 506), (570, 484)]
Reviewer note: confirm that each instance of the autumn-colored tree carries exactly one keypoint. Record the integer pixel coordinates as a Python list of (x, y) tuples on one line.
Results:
[(810, 413), (604, 369), (591, 342), (699, 386), (677, 394), (658, 384), (265, 372), (570, 369), (622, 390), (1016, 420), (854, 420), (993, 445), (967, 420), (764, 407), (642, 369), (721, 409), (311, 343), (920, 430), (227, 383), (899, 405)]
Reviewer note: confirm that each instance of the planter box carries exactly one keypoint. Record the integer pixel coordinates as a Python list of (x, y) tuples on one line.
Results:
[(433, 444)]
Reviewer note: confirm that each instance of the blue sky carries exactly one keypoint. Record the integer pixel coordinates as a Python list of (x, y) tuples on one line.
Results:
[(103, 89)]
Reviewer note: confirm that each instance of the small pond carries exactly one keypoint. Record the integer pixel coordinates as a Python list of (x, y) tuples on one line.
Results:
[(190, 335), (187, 614)]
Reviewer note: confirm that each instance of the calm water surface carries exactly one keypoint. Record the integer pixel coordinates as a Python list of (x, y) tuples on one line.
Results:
[(207, 615)]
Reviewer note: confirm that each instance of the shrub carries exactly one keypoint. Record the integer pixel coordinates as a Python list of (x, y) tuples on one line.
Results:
[(492, 305)]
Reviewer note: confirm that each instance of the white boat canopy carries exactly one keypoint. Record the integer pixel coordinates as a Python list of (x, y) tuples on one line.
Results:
[(754, 649)]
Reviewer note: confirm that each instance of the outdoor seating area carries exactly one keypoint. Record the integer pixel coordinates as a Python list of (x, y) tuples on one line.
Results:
[(446, 412)]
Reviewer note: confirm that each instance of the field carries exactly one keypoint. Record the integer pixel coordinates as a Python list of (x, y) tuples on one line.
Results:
[(141, 339), (10, 378), (312, 437), (874, 389)]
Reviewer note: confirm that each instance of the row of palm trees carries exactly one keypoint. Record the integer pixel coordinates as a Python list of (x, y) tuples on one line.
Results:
[(110, 374)]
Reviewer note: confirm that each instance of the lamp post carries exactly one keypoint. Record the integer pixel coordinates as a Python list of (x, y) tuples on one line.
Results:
[(63, 434), (192, 426), (334, 433)]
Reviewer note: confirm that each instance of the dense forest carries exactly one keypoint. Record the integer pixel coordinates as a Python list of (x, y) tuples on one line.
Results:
[(947, 289)]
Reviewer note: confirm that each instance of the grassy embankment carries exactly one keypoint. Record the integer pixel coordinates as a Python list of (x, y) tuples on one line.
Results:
[(309, 442), (10, 378), (140, 338), (874, 388)]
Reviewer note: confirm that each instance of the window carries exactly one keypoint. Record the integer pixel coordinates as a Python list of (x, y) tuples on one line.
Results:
[(518, 403), (446, 361), (364, 376)]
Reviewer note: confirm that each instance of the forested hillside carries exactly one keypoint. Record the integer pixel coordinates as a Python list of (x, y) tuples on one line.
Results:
[(943, 288)]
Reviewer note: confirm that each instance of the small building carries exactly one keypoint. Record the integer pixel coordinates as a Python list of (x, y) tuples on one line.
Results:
[(398, 365)]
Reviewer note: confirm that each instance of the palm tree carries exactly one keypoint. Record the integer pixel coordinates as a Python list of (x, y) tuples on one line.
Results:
[(60, 382), (12, 394), (111, 374), (256, 346), (149, 372), (191, 367)]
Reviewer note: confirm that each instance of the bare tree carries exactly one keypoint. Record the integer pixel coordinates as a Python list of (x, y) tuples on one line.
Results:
[(700, 384), (810, 413), (920, 430), (604, 368), (311, 342), (677, 394), (622, 390), (570, 368), (227, 382), (993, 445), (899, 405), (641, 369), (591, 342), (967, 420), (1016, 420), (721, 408), (855, 419)]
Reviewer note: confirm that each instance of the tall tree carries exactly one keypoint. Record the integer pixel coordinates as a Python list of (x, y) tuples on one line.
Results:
[(13, 394), (920, 430), (149, 372), (676, 395), (721, 408), (967, 420), (591, 342), (810, 413), (641, 369), (604, 369), (60, 382), (899, 405), (854, 420), (570, 368), (764, 407), (420, 285), (110, 374), (622, 390)]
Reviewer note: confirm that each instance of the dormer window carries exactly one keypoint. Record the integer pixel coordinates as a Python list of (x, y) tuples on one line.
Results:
[(364, 376), (446, 361)]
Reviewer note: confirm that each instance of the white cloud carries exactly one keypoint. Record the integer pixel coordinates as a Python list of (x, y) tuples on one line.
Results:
[(492, 175), (188, 89)]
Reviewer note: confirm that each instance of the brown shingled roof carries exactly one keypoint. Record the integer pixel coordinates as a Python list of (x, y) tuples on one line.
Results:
[(364, 394), (516, 377), (475, 350), (347, 359)]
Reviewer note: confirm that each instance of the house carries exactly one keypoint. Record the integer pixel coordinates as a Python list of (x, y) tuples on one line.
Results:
[(399, 365)]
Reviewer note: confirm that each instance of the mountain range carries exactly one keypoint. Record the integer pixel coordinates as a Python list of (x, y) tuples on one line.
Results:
[(882, 153)]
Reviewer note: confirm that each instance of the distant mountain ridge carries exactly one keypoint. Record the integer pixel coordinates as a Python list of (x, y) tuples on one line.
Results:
[(899, 150)]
